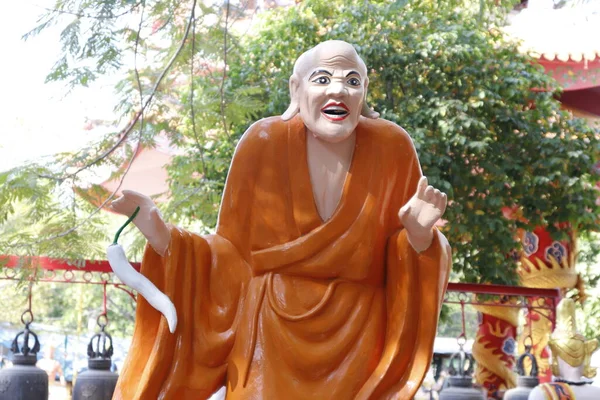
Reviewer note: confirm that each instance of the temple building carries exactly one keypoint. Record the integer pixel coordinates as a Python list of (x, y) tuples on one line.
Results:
[(566, 42)]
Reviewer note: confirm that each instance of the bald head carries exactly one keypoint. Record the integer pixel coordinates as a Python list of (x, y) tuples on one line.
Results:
[(328, 53)]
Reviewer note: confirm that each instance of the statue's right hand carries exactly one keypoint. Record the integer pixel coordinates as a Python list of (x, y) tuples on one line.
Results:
[(148, 220), (130, 200)]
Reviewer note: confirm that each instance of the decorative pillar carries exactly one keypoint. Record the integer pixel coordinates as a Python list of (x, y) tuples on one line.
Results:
[(494, 348), (545, 264)]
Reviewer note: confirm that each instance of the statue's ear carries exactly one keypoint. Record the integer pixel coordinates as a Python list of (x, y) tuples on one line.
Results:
[(366, 110), (294, 107)]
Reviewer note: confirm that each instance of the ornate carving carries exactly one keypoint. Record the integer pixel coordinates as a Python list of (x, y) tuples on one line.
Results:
[(494, 348), (547, 263), (567, 343)]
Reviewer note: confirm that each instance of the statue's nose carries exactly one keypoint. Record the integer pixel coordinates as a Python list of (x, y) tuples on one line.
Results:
[(336, 89)]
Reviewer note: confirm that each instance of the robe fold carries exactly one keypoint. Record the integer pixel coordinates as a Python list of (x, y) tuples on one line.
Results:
[(279, 304)]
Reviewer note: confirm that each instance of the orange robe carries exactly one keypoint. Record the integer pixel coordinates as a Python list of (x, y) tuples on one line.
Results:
[(279, 304)]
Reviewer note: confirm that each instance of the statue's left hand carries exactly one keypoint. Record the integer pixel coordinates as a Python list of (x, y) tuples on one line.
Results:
[(421, 213)]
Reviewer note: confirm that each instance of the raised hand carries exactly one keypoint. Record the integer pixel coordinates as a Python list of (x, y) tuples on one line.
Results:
[(148, 220), (420, 214)]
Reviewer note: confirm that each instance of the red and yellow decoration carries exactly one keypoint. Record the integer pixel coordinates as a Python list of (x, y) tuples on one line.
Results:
[(545, 263), (494, 348), (557, 391)]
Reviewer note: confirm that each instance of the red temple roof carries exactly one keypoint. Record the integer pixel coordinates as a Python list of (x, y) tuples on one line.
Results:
[(569, 34), (566, 42)]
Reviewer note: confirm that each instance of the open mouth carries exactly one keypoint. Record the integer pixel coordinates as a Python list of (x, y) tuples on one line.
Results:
[(335, 111)]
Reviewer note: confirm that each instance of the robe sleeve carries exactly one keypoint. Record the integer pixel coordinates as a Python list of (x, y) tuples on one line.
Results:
[(415, 287), (416, 283), (207, 280)]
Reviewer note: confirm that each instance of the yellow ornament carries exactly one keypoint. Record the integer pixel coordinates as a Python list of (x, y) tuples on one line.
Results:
[(568, 344)]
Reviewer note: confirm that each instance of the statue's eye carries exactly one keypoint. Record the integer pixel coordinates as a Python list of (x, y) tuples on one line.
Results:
[(353, 82), (322, 80)]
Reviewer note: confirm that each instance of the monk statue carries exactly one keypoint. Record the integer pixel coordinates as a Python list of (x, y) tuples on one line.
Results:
[(326, 274), (571, 358)]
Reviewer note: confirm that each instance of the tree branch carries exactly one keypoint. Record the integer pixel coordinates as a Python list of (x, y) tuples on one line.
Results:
[(122, 311), (129, 129), (137, 72), (192, 108), (222, 88), (100, 207), (125, 132), (80, 15)]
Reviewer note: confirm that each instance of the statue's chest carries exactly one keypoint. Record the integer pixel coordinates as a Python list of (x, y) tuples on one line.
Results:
[(328, 168), (327, 188)]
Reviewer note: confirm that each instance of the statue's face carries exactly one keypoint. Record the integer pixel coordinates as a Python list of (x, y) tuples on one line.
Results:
[(331, 97)]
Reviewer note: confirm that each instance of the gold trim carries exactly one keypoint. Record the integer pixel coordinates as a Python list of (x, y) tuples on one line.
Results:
[(568, 344), (547, 275)]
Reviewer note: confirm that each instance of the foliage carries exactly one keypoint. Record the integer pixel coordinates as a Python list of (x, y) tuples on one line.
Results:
[(45, 207), (170, 56), (588, 313), (484, 131), (73, 308), (451, 323)]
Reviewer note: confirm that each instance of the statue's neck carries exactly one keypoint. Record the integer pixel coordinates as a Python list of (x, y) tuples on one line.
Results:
[(338, 147), (571, 374), (328, 165)]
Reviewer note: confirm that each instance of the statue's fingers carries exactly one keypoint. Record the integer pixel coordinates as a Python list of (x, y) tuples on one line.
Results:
[(442, 202), (116, 202), (404, 211), (136, 197), (112, 208), (119, 199), (428, 194), (120, 205), (436, 198), (421, 186)]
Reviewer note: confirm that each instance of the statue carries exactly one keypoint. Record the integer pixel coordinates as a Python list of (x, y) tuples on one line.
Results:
[(326, 274), (571, 357)]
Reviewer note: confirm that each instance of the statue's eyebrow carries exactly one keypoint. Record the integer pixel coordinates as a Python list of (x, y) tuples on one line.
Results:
[(320, 71), (352, 73)]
